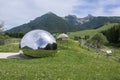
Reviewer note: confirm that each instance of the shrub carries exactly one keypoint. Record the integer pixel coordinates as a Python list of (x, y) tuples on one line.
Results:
[(77, 38), (3, 39), (51, 46), (87, 37), (54, 46), (48, 47), (98, 40)]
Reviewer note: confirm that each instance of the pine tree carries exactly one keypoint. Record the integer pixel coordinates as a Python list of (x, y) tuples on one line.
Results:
[(113, 34)]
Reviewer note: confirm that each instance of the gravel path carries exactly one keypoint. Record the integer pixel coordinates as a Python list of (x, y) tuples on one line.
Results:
[(7, 55)]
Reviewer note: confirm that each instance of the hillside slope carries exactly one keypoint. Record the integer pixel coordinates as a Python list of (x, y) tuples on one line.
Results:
[(91, 32), (49, 22), (72, 63)]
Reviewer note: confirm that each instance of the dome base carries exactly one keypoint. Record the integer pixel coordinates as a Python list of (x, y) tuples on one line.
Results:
[(39, 53)]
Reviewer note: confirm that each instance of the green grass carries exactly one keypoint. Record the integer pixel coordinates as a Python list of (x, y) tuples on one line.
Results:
[(70, 63), (11, 47), (91, 32)]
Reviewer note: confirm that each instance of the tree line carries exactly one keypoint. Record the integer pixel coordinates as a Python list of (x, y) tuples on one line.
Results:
[(15, 34), (113, 34)]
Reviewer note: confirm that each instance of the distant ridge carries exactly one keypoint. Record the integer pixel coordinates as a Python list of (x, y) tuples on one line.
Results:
[(53, 23), (49, 21), (90, 22)]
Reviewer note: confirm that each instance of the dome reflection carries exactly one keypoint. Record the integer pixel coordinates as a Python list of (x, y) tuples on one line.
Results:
[(38, 39), (38, 43)]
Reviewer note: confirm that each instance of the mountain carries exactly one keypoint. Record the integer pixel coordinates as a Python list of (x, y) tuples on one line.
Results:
[(50, 22), (90, 22), (53, 23)]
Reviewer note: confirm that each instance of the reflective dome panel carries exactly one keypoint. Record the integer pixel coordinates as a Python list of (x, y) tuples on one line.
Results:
[(37, 39)]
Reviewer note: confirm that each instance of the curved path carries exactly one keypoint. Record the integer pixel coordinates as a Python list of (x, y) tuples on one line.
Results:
[(18, 55)]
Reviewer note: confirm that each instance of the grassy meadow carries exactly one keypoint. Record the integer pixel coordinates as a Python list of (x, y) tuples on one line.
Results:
[(70, 63), (12, 45), (9, 47)]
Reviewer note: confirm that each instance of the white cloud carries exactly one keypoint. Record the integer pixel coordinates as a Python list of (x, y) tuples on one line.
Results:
[(98, 8), (116, 12), (17, 12)]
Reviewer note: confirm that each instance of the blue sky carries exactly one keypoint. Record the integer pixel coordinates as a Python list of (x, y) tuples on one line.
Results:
[(17, 12)]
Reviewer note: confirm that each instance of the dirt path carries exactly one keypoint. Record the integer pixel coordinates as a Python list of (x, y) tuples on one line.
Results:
[(7, 55)]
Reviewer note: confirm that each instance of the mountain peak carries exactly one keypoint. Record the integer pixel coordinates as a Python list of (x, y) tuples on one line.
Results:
[(50, 13), (89, 16), (71, 16), (49, 21)]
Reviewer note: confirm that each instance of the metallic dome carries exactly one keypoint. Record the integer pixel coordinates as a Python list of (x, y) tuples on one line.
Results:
[(36, 39)]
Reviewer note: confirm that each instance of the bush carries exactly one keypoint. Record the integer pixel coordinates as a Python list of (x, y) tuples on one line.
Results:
[(54, 46), (98, 40), (77, 38), (51, 46), (3, 39), (48, 47), (87, 37)]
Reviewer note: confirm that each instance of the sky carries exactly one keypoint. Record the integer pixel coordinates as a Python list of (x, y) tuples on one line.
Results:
[(17, 12)]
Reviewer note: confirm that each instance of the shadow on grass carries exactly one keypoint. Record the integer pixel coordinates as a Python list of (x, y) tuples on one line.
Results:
[(19, 56)]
